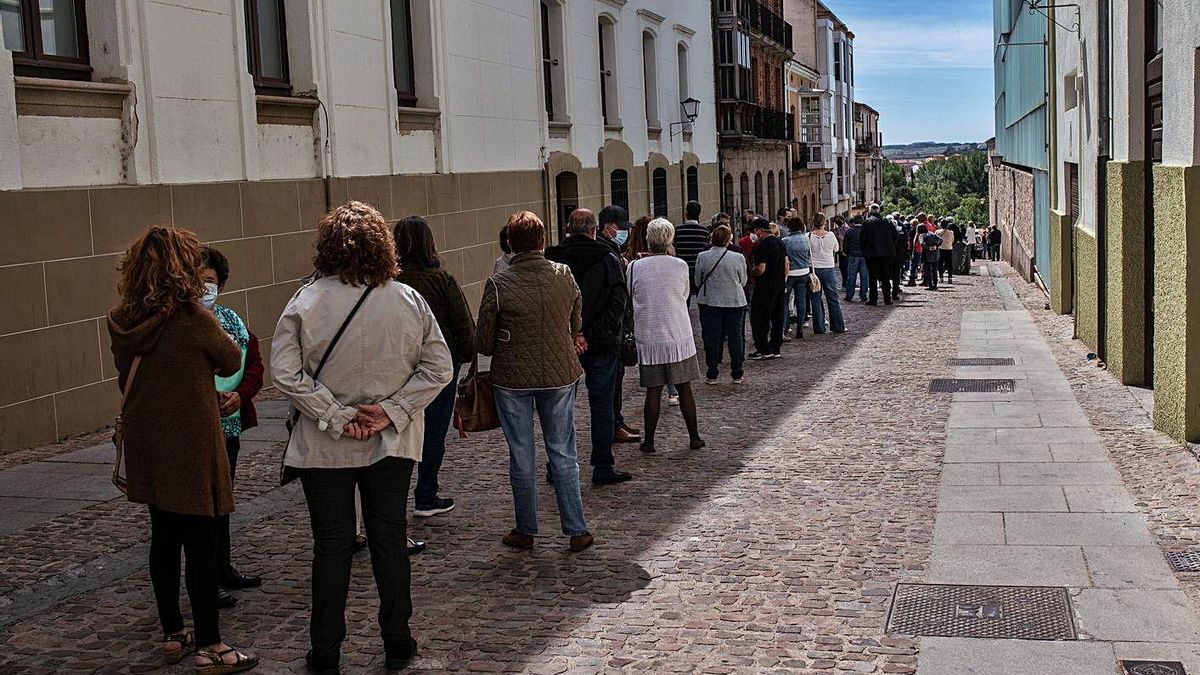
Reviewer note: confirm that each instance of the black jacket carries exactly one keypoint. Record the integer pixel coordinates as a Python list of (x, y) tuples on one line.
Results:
[(878, 238), (852, 242), (903, 241), (607, 312)]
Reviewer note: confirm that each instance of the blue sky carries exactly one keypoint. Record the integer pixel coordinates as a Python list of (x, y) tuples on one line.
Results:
[(925, 65)]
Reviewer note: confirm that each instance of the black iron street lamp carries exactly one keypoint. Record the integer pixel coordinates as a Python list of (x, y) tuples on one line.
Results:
[(691, 110)]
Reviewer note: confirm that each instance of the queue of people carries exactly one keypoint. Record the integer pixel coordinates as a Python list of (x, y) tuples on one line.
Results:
[(369, 350)]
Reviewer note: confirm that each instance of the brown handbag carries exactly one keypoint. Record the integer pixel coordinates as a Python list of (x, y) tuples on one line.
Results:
[(118, 438), (475, 404)]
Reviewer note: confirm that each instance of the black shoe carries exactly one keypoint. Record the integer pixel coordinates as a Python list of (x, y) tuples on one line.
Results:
[(610, 477), (224, 599), (234, 580), (435, 506), (398, 656), (323, 666), (755, 356), (415, 547)]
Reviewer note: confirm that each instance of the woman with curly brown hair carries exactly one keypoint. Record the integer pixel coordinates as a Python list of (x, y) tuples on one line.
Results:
[(167, 348), (358, 422)]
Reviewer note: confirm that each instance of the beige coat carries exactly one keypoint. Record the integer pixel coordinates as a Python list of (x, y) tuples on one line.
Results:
[(392, 353), (528, 318)]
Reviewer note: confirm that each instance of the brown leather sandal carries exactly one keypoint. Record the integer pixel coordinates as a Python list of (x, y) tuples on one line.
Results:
[(182, 645), (216, 662)]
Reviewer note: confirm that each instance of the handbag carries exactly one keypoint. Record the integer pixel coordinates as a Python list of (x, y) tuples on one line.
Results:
[(704, 281), (118, 478), (814, 282), (475, 403), (288, 474)]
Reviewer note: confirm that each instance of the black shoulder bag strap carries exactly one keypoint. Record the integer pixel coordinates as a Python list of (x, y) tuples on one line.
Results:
[(704, 281), (328, 350)]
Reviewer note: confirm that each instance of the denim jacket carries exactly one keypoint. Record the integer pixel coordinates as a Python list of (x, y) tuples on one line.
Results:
[(798, 251)]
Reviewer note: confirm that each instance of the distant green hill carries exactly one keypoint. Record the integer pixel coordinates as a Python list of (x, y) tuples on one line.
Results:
[(922, 149)]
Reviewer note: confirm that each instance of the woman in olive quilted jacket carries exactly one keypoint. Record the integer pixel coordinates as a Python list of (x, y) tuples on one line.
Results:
[(530, 323)]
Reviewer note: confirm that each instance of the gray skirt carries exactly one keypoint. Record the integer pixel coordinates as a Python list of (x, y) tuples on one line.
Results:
[(662, 374)]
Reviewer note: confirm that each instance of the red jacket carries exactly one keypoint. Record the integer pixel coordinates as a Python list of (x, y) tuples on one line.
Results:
[(252, 382)]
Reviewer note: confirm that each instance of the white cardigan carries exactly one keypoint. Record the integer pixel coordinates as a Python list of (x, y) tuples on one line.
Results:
[(660, 287)]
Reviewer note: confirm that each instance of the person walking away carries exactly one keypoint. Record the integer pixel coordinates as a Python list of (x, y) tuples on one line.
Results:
[(235, 399), (614, 228), (421, 268), (799, 268), (665, 343), (946, 252), (531, 324), (823, 248), (358, 422), (768, 311), (720, 280), (856, 264), (931, 243), (995, 238), (878, 245), (606, 316), (166, 348), (691, 238)]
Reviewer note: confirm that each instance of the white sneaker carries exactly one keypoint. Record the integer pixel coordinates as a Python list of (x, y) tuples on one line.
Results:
[(737, 380), (672, 400), (710, 380)]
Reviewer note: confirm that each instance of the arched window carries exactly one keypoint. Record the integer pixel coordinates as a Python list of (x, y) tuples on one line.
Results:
[(618, 185), (609, 91), (681, 61), (553, 54), (692, 184), (745, 193), (650, 78), (758, 194), (658, 181), (727, 197), (771, 194), (566, 189)]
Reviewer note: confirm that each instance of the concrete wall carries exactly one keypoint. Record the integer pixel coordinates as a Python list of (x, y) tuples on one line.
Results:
[(1125, 280), (1087, 290), (1010, 192), (1177, 301)]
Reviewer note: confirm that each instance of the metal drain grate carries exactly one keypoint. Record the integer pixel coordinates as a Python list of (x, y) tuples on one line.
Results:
[(982, 386), (1004, 612), (1152, 668), (1184, 561), (981, 362)]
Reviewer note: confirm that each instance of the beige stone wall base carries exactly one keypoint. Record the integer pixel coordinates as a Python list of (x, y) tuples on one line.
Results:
[(1177, 301), (1087, 290), (1125, 312), (1061, 263)]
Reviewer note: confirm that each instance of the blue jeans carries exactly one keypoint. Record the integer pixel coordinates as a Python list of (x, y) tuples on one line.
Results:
[(856, 270), (797, 298), (437, 422), (719, 325), (556, 410), (829, 288), (914, 268), (600, 376)]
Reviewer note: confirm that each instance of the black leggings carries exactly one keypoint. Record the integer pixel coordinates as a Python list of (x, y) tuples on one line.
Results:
[(233, 446), (197, 536)]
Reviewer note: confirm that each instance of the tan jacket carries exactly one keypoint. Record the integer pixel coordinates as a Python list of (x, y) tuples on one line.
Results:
[(392, 353), (528, 318)]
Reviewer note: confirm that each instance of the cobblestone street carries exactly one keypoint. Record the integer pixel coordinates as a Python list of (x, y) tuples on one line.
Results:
[(777, 548)]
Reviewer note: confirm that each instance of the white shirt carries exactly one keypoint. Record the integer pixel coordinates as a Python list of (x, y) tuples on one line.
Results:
[(659, 287), (821, 250)]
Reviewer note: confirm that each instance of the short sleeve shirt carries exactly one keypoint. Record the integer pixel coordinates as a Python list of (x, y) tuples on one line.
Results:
[(770, 251)]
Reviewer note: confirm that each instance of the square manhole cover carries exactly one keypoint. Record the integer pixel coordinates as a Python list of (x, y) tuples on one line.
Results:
[(1152, 668), (981, 362), (1184, 561), (981, 386), (1004, 612)]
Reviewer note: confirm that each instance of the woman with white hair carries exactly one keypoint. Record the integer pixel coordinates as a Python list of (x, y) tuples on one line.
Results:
[(659, 286)]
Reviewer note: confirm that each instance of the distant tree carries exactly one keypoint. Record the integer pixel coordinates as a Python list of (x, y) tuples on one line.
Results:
[(954, 186)]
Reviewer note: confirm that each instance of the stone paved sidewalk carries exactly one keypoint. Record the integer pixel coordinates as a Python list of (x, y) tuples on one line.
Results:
[(776, 549)]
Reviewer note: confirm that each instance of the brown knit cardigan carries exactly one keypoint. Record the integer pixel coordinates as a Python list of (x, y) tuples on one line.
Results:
[(174, 447)]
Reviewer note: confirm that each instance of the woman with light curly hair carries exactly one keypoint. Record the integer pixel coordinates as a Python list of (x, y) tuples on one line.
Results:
[(358, 422), (660, 286)]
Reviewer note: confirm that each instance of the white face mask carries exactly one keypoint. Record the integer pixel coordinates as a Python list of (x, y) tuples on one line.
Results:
[(210, 295), (753, 238), (620, 237)]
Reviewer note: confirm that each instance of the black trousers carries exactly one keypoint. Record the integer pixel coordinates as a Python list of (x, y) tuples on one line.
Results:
[(879, 270), (930, 273), (171, 533), (946, 263), (233, 447), (768, 318), (330, 496), (896, 271)]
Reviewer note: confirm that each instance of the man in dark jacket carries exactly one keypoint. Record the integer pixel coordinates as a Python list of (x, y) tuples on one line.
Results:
[(903, 252), (856, 262), (597, 271), (614, 222), (879, 249)]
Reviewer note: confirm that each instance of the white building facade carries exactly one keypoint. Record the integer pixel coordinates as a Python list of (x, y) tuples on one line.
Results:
[(244, 120), (835, 63)]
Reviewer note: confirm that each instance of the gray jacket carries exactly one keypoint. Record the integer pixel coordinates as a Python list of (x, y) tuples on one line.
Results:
[(724, 279)]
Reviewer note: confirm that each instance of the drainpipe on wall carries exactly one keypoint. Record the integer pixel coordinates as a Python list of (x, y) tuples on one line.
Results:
[(1103, 137)]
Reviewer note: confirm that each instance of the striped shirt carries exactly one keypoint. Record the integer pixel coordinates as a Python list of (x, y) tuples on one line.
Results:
[(691, 239)]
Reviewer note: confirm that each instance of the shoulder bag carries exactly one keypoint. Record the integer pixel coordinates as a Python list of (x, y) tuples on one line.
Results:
[(704, 281), (118, 474), (288, 474), (814, 283), (475, 404)]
